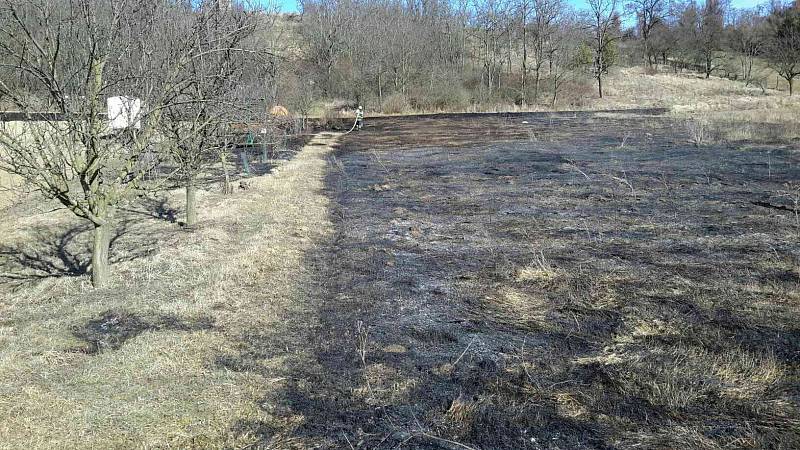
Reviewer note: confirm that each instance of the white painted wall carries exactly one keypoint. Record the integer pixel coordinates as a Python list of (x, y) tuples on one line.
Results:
[(124, 112)]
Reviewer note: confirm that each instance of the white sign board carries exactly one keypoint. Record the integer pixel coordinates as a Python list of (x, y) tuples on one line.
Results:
[(124, 112)]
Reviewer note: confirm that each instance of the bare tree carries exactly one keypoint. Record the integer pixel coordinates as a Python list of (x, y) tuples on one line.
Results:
[(604, 24), (710, 36), (73, 55), (360, 48), (562, 56), (325, 29), (524, 12), (783, 48), (748, 39), (491, 24), (648, 14), (196, 126), (543, 27), (687, 34), (662, 43)]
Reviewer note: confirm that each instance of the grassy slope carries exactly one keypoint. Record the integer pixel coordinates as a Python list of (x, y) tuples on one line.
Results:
[(732, 111), (179, 308)]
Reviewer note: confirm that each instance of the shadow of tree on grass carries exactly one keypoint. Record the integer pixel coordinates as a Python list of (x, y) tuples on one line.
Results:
[(52, 254), (113, 328)]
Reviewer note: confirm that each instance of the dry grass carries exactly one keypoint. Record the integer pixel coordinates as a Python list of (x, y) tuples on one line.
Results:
[(727, 110), (163, 325), (539, 270), (628, 88), (640, 328)]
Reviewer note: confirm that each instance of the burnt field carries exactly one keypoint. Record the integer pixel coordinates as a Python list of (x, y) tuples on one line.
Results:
[(584, 280)]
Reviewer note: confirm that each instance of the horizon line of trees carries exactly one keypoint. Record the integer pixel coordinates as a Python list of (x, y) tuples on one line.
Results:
[(440, 54)]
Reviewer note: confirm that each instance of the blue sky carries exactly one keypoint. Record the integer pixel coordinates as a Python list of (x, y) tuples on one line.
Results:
[(291, 5)]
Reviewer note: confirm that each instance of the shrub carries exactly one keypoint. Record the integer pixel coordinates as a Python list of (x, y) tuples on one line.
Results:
[(578, 93), (329, 116), (454, 98), (444, 94), (395, 104), (698, 131)]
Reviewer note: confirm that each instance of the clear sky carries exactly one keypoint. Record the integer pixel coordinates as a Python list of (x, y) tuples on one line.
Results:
[(291, 5)]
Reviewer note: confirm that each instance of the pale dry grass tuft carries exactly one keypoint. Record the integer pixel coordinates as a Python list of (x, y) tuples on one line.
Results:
[(517, 308), (698, 132), (539, 270)]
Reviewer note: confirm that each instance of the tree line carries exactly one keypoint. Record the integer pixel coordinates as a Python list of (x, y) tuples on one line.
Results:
[(438, 54), (708, 37)]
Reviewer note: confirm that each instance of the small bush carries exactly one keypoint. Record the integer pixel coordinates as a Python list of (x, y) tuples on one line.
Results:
[(395, 104), (577, 93), (698, 131), (444, 94), (329, 116)]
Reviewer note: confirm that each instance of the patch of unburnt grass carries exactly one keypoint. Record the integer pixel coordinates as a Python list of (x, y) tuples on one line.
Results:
[(134, 364)]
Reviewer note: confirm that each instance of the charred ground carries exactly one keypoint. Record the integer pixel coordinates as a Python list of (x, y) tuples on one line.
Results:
[(570, 280)]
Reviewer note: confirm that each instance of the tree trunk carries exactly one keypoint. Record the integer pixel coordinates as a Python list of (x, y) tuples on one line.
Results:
[(223, 159), (791, 85), (600, 85), (102, 240), (191, 202), (524, 56), (555, 93), (524, 78), (744, 72), (380, 86)]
